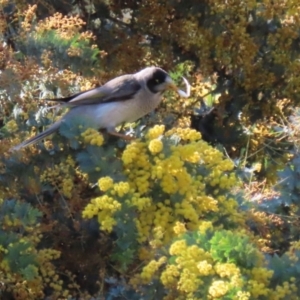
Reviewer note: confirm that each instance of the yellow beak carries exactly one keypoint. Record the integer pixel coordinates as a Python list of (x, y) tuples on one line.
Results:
[(171, 85)]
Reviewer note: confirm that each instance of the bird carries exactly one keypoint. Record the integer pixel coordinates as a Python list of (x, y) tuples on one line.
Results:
[(123, 99)]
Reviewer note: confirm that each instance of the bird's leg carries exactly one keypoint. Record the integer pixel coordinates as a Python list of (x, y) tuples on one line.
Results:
[(113, 132)]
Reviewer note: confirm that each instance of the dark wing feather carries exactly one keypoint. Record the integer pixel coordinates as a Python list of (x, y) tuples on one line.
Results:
[(66, 99), (121, 88)]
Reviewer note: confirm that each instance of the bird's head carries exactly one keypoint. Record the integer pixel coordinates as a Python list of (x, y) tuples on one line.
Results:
[(157, 80)]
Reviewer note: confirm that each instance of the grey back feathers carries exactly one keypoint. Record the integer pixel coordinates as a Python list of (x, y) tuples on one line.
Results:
[(121, 88)]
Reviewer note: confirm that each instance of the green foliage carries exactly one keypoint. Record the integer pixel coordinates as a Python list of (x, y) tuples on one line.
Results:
[(36, 44), (72, 129), (18, 258), (285, 204), (16, 248), (228, 247), (289, 186), (23, 212)]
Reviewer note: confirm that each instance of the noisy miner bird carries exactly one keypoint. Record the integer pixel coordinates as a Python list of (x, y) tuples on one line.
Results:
[(123, 99)]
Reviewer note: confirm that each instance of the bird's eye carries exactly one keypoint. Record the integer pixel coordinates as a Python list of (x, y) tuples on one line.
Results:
[(157, 81)]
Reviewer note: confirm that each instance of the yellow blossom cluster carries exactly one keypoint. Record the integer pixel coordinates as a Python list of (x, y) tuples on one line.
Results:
[(48, 272), (136, 154), (149, 270), (31, 288), (66, 26), (170, 275), (105, 183), (204, 226), (205, 268), (258, 289), (141, 203), (148, 167), (11, 222), (192, 267), (167, 196), (121, 188), (162, 215), (46, 58), (155, 146), (226, 270), (29, 15), (295, 246), (192, 264), (185, 134), (67, 187), (155, 132), (4, 265), (11, 126), (218, 289), (104, 208), (179, 228), (61, 176), (262, 275), (259, 283), (242, 296), (93, 137), (285, 291)]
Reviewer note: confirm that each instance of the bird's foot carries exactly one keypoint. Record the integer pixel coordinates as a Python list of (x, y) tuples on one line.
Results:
[(121, 135)]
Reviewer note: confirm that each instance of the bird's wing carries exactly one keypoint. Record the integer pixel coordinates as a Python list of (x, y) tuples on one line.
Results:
[(121, 88)]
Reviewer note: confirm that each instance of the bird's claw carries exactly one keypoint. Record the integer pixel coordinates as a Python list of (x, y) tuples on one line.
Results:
[(121, 135)]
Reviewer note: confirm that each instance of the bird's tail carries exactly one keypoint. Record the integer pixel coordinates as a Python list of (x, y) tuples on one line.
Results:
[(54, 127)]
